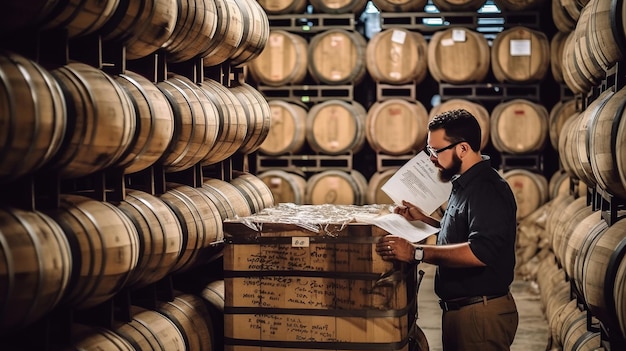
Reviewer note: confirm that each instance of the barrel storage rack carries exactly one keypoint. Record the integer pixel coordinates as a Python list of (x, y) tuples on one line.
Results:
[(372, 162), (611, 208), (42, 190)]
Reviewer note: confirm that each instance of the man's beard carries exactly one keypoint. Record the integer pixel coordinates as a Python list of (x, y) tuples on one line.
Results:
[(446, 174)]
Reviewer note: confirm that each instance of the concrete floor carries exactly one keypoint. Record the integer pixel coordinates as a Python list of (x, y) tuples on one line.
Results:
[(532, 332)]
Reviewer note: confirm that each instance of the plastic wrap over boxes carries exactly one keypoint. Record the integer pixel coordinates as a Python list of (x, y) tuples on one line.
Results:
[(308, 277)]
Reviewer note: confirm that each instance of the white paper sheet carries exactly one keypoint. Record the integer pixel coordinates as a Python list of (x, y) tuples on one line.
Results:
[(418, 183), (397, 225)]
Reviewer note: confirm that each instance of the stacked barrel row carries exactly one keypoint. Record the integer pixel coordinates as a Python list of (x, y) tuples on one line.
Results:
[(217, 31), (84, 252), (455, 55), (586, 262), (591, 39), (77, 120)]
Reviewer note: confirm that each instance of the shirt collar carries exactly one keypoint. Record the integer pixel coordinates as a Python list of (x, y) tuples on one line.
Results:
[(462, 180)]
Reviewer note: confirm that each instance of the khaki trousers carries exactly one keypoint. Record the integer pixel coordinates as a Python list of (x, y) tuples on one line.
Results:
[(484, 326)]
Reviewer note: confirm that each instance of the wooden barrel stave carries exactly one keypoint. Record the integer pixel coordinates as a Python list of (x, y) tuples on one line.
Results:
[(288, 132), (160, 236), (101, 121), (31, 106), (337, 56), (35, 268), (196, 124), (286, 187), (396, 126), (336, 127), (105, 249), (232, 122), (155, 122)]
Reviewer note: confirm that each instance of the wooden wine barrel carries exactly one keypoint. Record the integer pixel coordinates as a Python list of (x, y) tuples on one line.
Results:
[(519, 5), (288, 131), (81, 17), (279, 7), (338, 6), (257, 193), (283, 61), (476, 109), (560, 112), (336, 127), (557, 49), (228, 35), (576, 337), (573, 7), (233, 122), (562, 19), (530, 190), (620, 153), (31, 106), (150, 330), (553, 215), (214, 294), (375, 195), (17, 15), (233, 203), (598, 274), (336, 187), (105, 249), (619, 294), (194, 30), (458, 56), (154, 121), (603, 143), (396, 126), (563, 321), (88, 337), (337, 56), (458, 5), (400, 5), (200, 221), (519, 126), (397, 56), (520, 55), (256, 31), (566, 232), (566, 157), (581, 145), (568, 212), (36, 267), (286, 187), (582, 241), (561, 183), (141, 26), (101, 120), (571, 66), (160, 236), (196, 123), (606, 40), (259, 117), (191, 317), (589, 66)]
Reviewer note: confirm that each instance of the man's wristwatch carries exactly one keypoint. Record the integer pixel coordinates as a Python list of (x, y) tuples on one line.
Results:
[(418, 255)]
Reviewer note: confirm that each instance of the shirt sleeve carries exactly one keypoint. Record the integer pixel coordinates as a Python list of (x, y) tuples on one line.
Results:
[(492, 221)]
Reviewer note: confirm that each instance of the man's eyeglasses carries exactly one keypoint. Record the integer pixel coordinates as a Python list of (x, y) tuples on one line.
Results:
[(435, 152)]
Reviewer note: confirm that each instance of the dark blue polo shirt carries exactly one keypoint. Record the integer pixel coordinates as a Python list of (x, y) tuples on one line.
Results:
[(482, 210)]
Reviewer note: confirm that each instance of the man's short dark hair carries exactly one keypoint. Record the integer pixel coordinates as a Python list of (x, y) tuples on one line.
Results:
[(459, 125)]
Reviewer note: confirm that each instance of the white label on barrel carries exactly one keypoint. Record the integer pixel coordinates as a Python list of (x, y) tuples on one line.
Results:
[(300, 241), (447, 42), (398, 36), (458, 35), (519, 47)]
